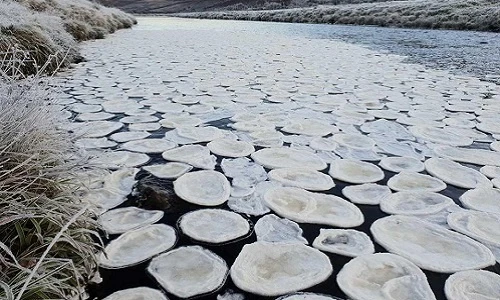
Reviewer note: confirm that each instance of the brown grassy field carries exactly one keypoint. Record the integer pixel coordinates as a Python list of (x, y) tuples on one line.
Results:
[(483, 15)]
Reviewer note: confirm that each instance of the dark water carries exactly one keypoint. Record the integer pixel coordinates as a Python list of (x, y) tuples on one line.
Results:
[(472, 53), (136, 276), (460, 52)]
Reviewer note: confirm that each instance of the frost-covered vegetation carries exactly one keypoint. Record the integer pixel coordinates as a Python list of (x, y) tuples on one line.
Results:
[(47, 30), (46, 240), (481, 15)]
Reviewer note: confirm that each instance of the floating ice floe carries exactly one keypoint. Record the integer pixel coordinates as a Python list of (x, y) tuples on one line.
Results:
[(390, 129), (173, 121), (455, 174), (120, 106), (411, 181), (430, 246), (198, 134), (400, 164), (489, 127), (439, 135), (139, 119), (139, 293), (85, 108), (415, 121), (97, 129), (140, 112), (404, 149), (306, 207), (323, 144), (144, 126), (196, 155), (495, 146), (244, 172), (230, 148), (354, 171), (310, 127), (271, 228), (170, 170), (368, 193), (214, 226), (207, 188), (473, 285), (307, 296), (98, 116), (119, 159), (480, 226), (383, 276), (189, 271), (252, 204), (496, 182), (303, 178), (121, 220), (384, 114), (414, 203), (347, 242), (460, 123), (490, 171), (482, 199), (168, 107), (256, 125), (466, 155), (230, 295), (355, 141), (272, 269), (136, 246), (440, 217), (357, 154), (273, 158), (148, 145), (199, 109), (95, 143), (112, 190)]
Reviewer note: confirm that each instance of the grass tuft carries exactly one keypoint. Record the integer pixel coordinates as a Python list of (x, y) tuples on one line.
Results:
[(48, 30), (47, 235)]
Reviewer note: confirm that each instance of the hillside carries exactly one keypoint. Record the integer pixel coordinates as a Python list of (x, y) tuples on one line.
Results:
[(173, 6)]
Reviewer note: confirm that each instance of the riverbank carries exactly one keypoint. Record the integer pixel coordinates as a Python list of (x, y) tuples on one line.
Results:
[(48, 236), (41, 36), (480, 15)]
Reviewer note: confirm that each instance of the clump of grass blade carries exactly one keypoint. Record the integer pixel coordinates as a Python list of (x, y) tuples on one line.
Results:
[(47, 235)]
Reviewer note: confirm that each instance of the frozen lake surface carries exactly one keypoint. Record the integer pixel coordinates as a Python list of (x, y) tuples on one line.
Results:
[(267, 159)]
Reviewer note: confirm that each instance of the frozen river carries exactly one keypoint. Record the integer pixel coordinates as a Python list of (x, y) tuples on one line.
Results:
[(277, 158)]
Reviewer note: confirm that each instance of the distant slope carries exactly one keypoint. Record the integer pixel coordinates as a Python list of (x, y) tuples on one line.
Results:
[(167, 6), (174, 6)]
